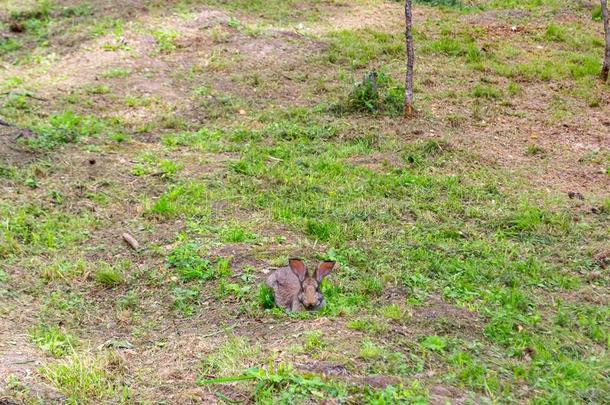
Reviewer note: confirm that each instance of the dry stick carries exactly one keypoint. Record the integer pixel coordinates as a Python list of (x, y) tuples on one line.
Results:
[(410, 60), (606, 67), (131, 241), (9, 93)]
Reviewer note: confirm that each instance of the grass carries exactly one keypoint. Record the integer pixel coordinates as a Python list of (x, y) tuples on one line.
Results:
[(108, 276), (166, 40), (230, 358), (83, 378), (187, 262), (455, 262), (358, 48), (53, 340)]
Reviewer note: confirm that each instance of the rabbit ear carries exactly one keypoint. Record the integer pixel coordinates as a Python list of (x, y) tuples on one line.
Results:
[(298, 267), (324, 269)]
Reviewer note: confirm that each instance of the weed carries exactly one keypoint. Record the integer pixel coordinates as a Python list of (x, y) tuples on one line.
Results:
[(189, 265), (370, 351), (358, 48), (83, 378), (128, 301), (187, 198), (368, 325), (392, 394), (266, 297), (314, 342), (185, 300), (30, 229), (281, 385), (64, 270), (230, 358), (66, 127), (236, 234), (98, 89), (166, 40), (393, 312), (52, 340), (376, 92), (116, 73), (555, 33), (488, 92), (119, 137), (434, 343), (108, 276), (535, 150)]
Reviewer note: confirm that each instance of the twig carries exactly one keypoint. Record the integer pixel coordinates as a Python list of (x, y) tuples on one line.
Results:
[(24, 362), (131, 241), (218, 332), (16, 93)]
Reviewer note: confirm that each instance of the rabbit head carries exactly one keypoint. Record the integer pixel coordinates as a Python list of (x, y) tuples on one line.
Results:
[(309, 295)]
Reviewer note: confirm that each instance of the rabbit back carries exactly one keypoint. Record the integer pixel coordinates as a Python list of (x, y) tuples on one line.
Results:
[(286, 287)]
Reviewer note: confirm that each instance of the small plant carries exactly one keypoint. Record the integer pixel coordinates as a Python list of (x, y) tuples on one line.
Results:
[(368, 325), (376, 93), (488, 92), (128, 301), (64, 270), (280, 384), (441, 3), (65, 127), (84, 379), (226, 288), (236, 234), (266, 298), (52, 340), (535, 150), (314, 342), (370, 351), (393, 312), (231, 357), (166, 40), (434, 343), (189, 265), (118, 137), (169, 168), (116, 73), (185, 300), (98, 89), (514, 89), (108, 276), (555, 33), (8, 45), (31, 183)]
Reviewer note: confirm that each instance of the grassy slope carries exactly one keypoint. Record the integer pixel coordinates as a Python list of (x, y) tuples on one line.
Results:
[(225, 143)]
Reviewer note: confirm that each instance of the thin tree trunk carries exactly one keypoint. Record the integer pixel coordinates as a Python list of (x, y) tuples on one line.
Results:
[(410, 60), (606, 67)]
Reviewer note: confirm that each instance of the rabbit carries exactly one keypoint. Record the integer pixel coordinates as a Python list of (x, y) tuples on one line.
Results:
[(297, 290)]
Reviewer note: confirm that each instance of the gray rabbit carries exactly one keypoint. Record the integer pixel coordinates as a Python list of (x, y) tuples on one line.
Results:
[(295, 289)]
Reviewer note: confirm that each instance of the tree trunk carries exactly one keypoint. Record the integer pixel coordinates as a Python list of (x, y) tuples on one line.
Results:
[(410, 60), (606, 67)]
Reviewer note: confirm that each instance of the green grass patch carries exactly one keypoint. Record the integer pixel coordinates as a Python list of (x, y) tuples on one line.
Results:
[(52, 340), (357, 48), (83, 378)]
